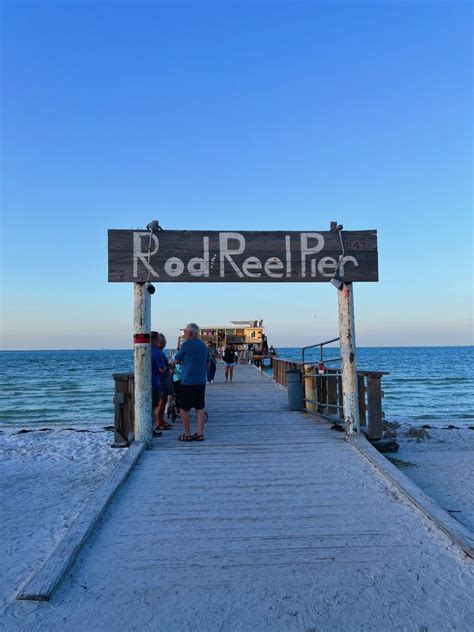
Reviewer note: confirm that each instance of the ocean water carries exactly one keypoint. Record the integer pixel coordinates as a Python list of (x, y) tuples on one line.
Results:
[(76, 387)]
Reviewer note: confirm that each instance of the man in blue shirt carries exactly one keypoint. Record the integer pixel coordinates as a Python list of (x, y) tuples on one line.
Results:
[(194, 357)]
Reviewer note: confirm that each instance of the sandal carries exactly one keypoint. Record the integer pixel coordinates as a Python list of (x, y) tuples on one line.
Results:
[(163, 425), (197, 437), (185, 437)]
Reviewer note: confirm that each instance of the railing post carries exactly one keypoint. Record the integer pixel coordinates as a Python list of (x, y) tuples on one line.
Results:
[(348, 355), (374, 404), (309, 386), (323, 398), (340, 399), (123, 419), (142, 361), (362, 407), (331, 392)]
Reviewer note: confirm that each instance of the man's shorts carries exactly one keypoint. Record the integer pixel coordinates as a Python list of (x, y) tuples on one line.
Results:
[(192, 396), (156, 396)]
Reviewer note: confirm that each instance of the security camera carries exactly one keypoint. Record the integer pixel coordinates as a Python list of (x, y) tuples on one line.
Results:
[(154, 225), (150, 288), (337, 282)]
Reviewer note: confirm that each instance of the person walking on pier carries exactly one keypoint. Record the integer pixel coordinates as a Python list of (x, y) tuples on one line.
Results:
[(229, 359), (211, 372), (194, 357)]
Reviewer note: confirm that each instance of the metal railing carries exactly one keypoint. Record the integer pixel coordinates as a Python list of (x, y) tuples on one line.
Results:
[(326, 391), (321, 353), (322, 389)]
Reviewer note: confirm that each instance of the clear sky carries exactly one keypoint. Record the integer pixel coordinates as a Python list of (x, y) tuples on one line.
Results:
[(236, 116)]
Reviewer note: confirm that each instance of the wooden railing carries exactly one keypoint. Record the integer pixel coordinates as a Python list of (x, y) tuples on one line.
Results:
[(322, 393)]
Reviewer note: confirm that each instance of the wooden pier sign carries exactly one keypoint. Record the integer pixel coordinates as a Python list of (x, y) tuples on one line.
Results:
[(229, 256)]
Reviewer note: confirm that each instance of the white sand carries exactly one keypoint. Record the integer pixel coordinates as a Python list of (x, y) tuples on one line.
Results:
[(443, 466), (47, 478)]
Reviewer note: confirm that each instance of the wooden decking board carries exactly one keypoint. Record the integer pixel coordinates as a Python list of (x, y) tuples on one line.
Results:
[(274, 523)]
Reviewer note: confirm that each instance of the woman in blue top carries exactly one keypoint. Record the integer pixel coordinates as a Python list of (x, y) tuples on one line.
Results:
[(161, 380)]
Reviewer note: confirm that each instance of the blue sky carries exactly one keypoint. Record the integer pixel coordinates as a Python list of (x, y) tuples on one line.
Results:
[(236, 116)]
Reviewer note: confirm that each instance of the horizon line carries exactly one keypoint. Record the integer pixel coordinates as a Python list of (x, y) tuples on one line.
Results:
[(279, 347)]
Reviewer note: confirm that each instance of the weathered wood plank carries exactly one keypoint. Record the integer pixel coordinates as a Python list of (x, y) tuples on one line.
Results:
[(374, 407), (255, 257), (258, 528), (41, 585)]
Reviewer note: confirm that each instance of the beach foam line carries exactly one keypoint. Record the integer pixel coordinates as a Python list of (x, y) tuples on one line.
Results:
[(456, 532), (41, 585)]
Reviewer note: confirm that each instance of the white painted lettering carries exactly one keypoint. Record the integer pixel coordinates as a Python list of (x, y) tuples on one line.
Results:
[(327, 266), (226, 252), (144, 257), (273, 264), (174, 267), (306, 250), (199, 266), (288, 255), (347, 259), (252, 263)]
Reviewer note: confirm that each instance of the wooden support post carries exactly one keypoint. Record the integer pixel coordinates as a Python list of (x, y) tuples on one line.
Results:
[(332, 391), (340, 399), (362, 407), (309, 386), (324, 395), (123, 400), (142, 359), (348, 355), (374, 404)]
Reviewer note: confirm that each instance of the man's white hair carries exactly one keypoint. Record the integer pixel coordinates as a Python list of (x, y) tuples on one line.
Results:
[(193, 328)]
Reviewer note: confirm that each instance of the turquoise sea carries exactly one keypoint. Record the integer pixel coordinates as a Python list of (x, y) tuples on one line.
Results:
[(76, 387)]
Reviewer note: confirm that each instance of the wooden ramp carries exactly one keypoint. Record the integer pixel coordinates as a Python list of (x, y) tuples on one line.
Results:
[(273, 523)]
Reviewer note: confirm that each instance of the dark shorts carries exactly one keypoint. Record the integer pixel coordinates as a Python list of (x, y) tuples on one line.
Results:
[(155, 396), (192, 396)]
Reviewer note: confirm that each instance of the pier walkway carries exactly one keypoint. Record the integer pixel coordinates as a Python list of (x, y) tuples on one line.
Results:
[(274, 523)]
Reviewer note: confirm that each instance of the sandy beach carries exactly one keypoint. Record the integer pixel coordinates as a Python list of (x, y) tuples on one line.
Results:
[(441, 464), (47, 477)]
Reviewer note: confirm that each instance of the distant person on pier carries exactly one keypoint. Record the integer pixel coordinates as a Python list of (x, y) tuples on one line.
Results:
[(211, 372), (160, 381), (229, 358), (195, 359)]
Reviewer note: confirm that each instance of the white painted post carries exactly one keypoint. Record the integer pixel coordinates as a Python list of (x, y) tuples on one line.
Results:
[(350, 395), (142, 359)]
